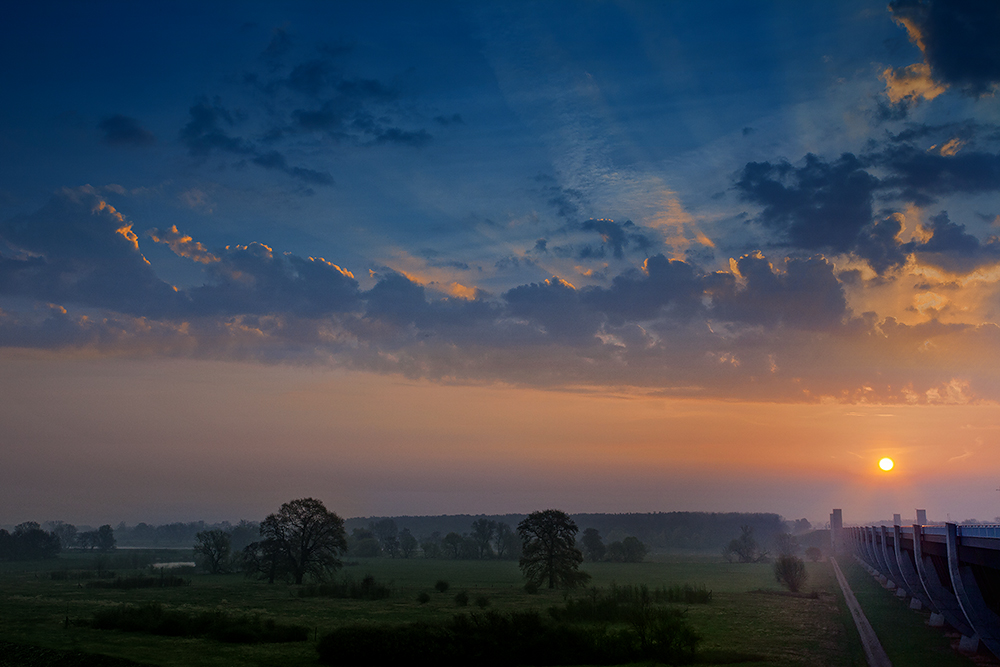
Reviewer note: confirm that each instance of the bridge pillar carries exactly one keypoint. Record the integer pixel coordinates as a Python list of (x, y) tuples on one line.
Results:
[(941, 597), (909, 573), (889, 556), (984, 622)]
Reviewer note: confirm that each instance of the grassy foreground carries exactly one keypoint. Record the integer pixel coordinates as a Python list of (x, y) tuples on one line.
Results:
[(750, 621)]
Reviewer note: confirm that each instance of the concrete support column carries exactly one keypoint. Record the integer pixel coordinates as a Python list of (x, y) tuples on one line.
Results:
[(984, 622), (941, 597)]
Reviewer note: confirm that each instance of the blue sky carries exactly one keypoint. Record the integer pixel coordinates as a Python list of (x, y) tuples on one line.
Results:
[(787, 203)]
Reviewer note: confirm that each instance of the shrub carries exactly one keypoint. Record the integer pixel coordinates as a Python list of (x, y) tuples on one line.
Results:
[(814, 554), (441, 586), (482, 602), (154, 619), (790, 572), (423, 598), (531, 588), (462, 599)]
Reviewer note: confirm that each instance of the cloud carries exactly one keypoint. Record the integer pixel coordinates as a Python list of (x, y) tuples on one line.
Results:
[(183, 245), (766, 330), (952, 249), (618, 235), (805, 295), (817, 206), (78, 249), (957, 40), (124, 131), (205, 133), (921, 176)]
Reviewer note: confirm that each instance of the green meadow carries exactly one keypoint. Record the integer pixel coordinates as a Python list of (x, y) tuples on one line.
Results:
[(749, 621)]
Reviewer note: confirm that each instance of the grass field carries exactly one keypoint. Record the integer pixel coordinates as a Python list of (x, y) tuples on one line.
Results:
[(750, 621)]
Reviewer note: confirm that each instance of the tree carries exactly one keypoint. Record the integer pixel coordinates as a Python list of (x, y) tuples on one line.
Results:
[(593, 544), (744, 548), (482, 534), (65, 531), (452, 544), (214, 547), (790, 572), (505, 542), (407, 543), (548, 551), (363, 544), (102, 539), (302, 538), (387, 534), (633, 549), (814, 553)]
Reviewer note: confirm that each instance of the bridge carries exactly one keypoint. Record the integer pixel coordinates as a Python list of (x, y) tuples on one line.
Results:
[(951, 570)]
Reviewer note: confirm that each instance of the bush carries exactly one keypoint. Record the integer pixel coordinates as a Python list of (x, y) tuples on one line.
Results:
[(531, 588), (482, 602), (423, 598), (790, 572), (814, 554), (441, 586), (462, 599)]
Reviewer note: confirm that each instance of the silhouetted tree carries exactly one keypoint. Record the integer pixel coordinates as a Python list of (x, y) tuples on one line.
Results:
[(30, 542), (505, 542), (482, 535), (548, 551), (593, 545), (214, 547), (407, 543), (452, 544), (102, 539), (633, 549), (363, 544), (302, 538), (264, 559), (388, 536), (744, 548), (785, 544), (66, 532)]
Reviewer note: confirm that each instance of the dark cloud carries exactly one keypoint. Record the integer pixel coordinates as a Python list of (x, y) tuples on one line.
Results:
[(921, 176), (252, 279), (806, 295), (818, 206), (951, 248), (124, 131), (556, 309), (77, 249), (958, 39), (878, 244), (645, 294), (205, 131), (275, 160), (615, 235)]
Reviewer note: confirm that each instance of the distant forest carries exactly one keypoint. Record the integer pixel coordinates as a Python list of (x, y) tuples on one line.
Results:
[(696, 531)]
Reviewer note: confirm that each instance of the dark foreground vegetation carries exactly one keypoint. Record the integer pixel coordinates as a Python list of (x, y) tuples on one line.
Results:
[(514, 638), (221, 626)]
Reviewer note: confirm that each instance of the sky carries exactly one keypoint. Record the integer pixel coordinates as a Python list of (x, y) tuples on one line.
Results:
[(486, 257)]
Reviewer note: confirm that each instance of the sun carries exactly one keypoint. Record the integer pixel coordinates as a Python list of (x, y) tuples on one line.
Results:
[(886, 464)]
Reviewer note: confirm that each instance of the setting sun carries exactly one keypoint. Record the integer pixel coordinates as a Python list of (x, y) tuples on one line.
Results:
[(885, 464)]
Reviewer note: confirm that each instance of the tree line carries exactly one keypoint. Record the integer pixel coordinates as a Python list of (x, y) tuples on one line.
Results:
[(30, 541)]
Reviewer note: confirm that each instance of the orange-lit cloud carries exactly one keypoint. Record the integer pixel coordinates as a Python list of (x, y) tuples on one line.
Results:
[(912, 82), (183, 245)]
